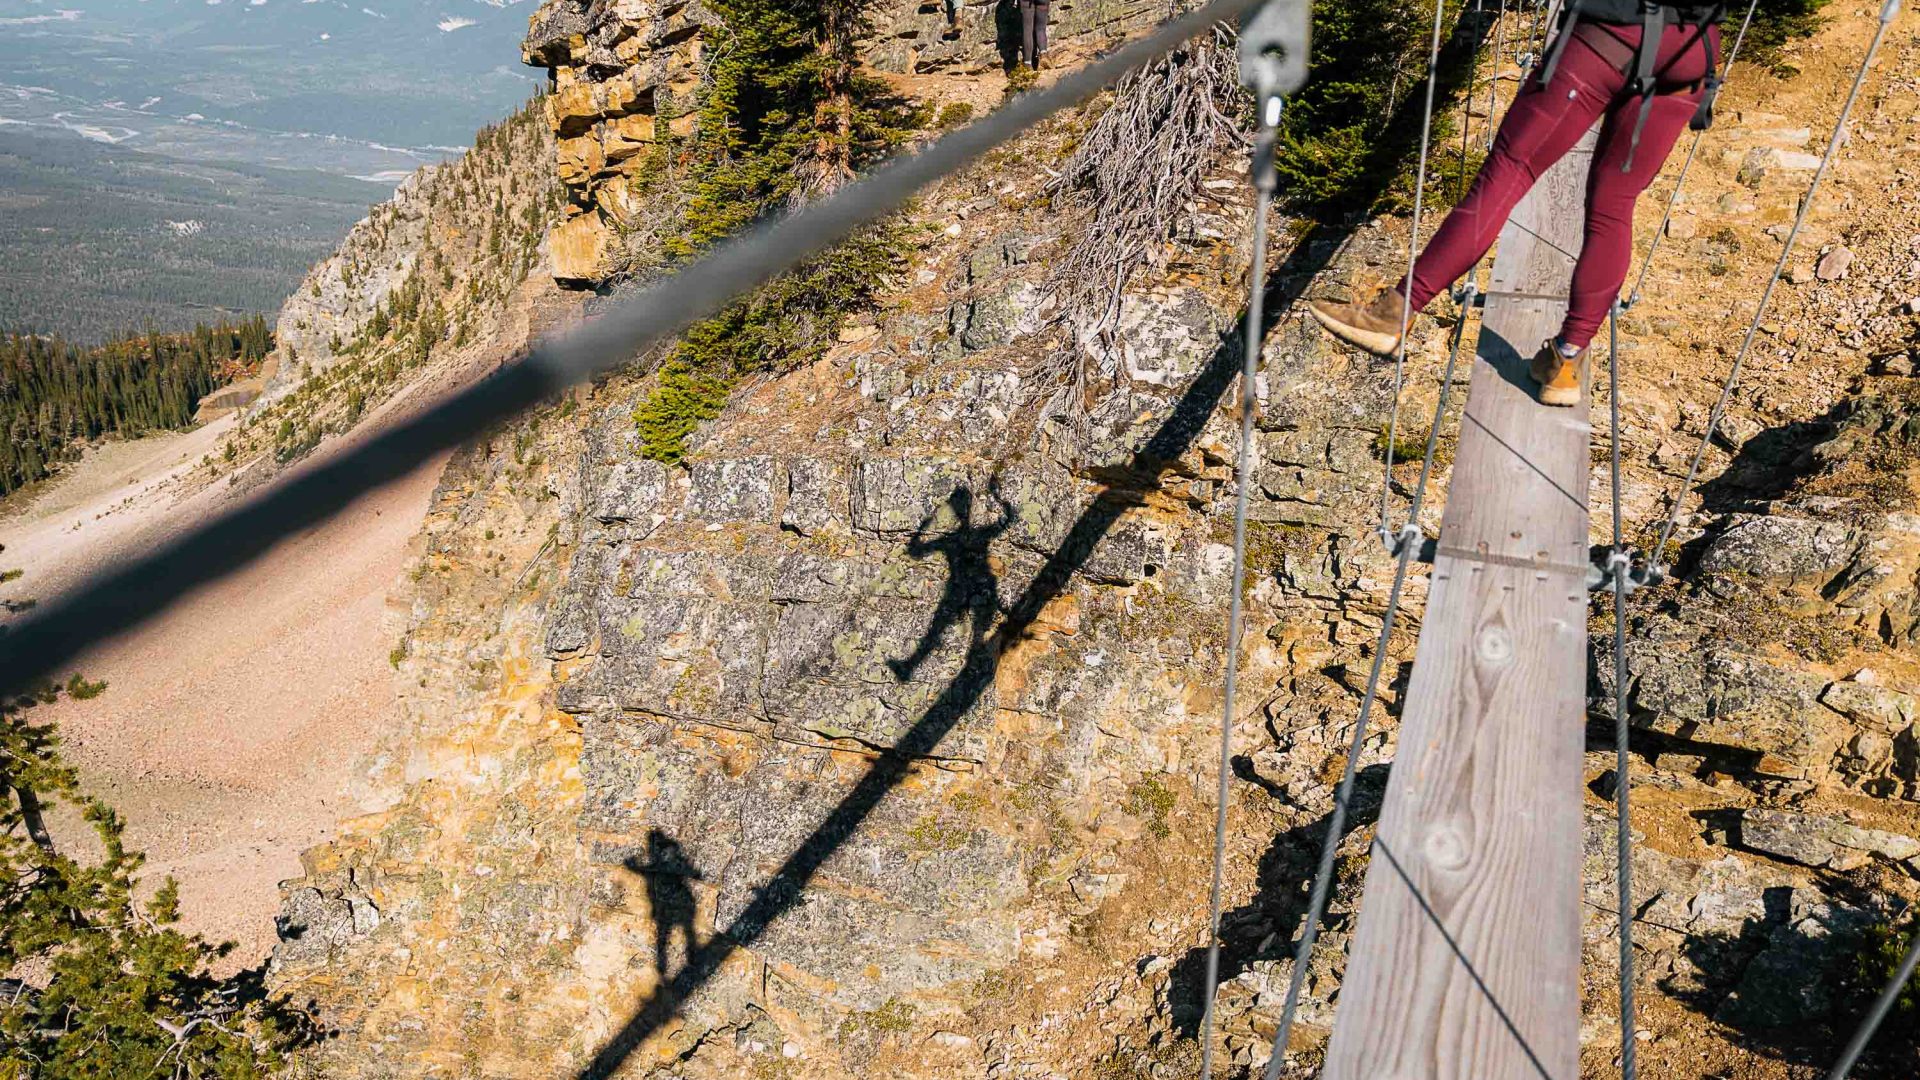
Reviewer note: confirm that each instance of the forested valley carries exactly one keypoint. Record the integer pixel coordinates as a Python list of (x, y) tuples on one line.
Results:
[(56, 397)]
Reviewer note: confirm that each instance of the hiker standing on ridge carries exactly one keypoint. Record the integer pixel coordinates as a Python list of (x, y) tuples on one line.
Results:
[(1648, 70), (1034, 15)]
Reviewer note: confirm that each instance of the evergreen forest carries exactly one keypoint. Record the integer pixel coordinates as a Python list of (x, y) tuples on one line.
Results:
[(56, 397)]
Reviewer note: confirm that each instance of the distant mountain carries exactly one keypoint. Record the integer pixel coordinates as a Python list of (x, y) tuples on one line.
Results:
[(362, 87), (101, 240)]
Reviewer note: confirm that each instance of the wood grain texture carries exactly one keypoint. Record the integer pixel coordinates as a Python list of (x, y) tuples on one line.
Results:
[(1466, 962)]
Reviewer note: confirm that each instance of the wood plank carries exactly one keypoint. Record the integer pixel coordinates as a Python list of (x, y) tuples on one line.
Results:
[(1465, 965)]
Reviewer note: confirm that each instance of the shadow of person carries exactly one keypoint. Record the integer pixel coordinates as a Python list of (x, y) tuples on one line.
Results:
[(972, 588), (666, 870)]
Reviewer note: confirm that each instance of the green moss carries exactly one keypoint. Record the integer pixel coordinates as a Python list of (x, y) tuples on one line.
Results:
[(933, 833), (1150, 799), (895, 1017), (1412, 446), (10, 575)]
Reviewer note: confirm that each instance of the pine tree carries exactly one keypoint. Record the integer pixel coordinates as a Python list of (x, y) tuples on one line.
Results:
[(124, 992)]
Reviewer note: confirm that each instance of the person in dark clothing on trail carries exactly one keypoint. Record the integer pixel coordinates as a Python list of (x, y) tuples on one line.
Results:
[(1646, 72), (1034, 15)]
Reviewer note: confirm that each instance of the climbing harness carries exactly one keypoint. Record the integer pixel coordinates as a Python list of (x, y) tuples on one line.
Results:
[(1408, 535), (1638, 62), (1273, 63)]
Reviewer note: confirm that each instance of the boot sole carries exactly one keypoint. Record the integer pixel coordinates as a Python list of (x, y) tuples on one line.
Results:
[(1560, 397), (1373, 341)]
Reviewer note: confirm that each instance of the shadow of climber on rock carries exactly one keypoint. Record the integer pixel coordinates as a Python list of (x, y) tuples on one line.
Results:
[(666, 870), (972, 589)]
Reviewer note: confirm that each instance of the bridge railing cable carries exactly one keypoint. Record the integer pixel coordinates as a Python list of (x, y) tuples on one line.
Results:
[(1620, 567), (1407, 546), (60, 629), (1620, 560), (1273, 63), (1387, 534), (1656, 567), (1882, 1008)]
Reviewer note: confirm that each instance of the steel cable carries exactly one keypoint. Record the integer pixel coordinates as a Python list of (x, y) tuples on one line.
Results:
[(1657, 553), (1882, 1006), (1264, 181), (1407, 545), (1680, 182), (116, 600), (1621, 566), (1413, 250)]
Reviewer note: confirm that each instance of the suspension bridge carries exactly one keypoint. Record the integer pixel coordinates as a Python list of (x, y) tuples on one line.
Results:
[(1466, 959)]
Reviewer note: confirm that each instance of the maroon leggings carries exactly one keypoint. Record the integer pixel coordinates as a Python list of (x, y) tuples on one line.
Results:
[(1539, 129)]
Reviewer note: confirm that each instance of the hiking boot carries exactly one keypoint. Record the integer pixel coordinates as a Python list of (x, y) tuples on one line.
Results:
[(1558, 376), (1373, 326)]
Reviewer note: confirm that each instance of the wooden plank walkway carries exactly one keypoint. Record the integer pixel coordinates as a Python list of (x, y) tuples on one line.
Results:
[(1466, 962)]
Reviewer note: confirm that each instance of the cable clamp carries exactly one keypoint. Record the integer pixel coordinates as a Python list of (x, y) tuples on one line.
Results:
[(1396, 542), (1619, 565), (1273, 53)]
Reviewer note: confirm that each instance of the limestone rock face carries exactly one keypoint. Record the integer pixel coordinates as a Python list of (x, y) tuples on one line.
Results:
[(434, 240), (625, 74)]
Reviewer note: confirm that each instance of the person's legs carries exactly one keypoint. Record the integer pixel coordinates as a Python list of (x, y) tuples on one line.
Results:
[(1042, 14), (1539, 129), (1607, 253)]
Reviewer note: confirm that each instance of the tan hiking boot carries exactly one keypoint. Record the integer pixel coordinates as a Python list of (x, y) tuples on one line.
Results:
[(1558, 376), (1373, 326)]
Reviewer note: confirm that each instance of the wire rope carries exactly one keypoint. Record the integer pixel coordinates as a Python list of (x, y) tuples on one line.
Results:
[(1264, 180), (1621, 566), (1387, 534), (1882, 1006), (1407, 545), (1657, 553)]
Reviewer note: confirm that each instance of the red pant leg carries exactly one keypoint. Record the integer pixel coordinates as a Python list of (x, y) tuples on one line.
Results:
[(1539, 129), (1607, 255)]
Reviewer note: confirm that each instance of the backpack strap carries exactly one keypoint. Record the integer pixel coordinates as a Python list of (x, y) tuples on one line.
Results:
[(1567, 23), (1653, 25), (1710, 89)]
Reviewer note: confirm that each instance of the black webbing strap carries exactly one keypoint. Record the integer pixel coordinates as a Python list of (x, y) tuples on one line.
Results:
[(1710, 89), (1567, 24), (1653, 24)]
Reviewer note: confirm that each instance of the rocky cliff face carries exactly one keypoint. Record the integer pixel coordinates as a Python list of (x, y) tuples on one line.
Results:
[(459, 236), (625, 74), (877, 738)]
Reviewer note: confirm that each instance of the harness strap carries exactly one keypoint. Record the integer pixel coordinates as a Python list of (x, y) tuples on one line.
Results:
[(1703, 116), (1653, 25), (1571, 20)]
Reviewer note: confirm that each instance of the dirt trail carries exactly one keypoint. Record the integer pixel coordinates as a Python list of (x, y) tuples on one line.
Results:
[(238, 726)]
